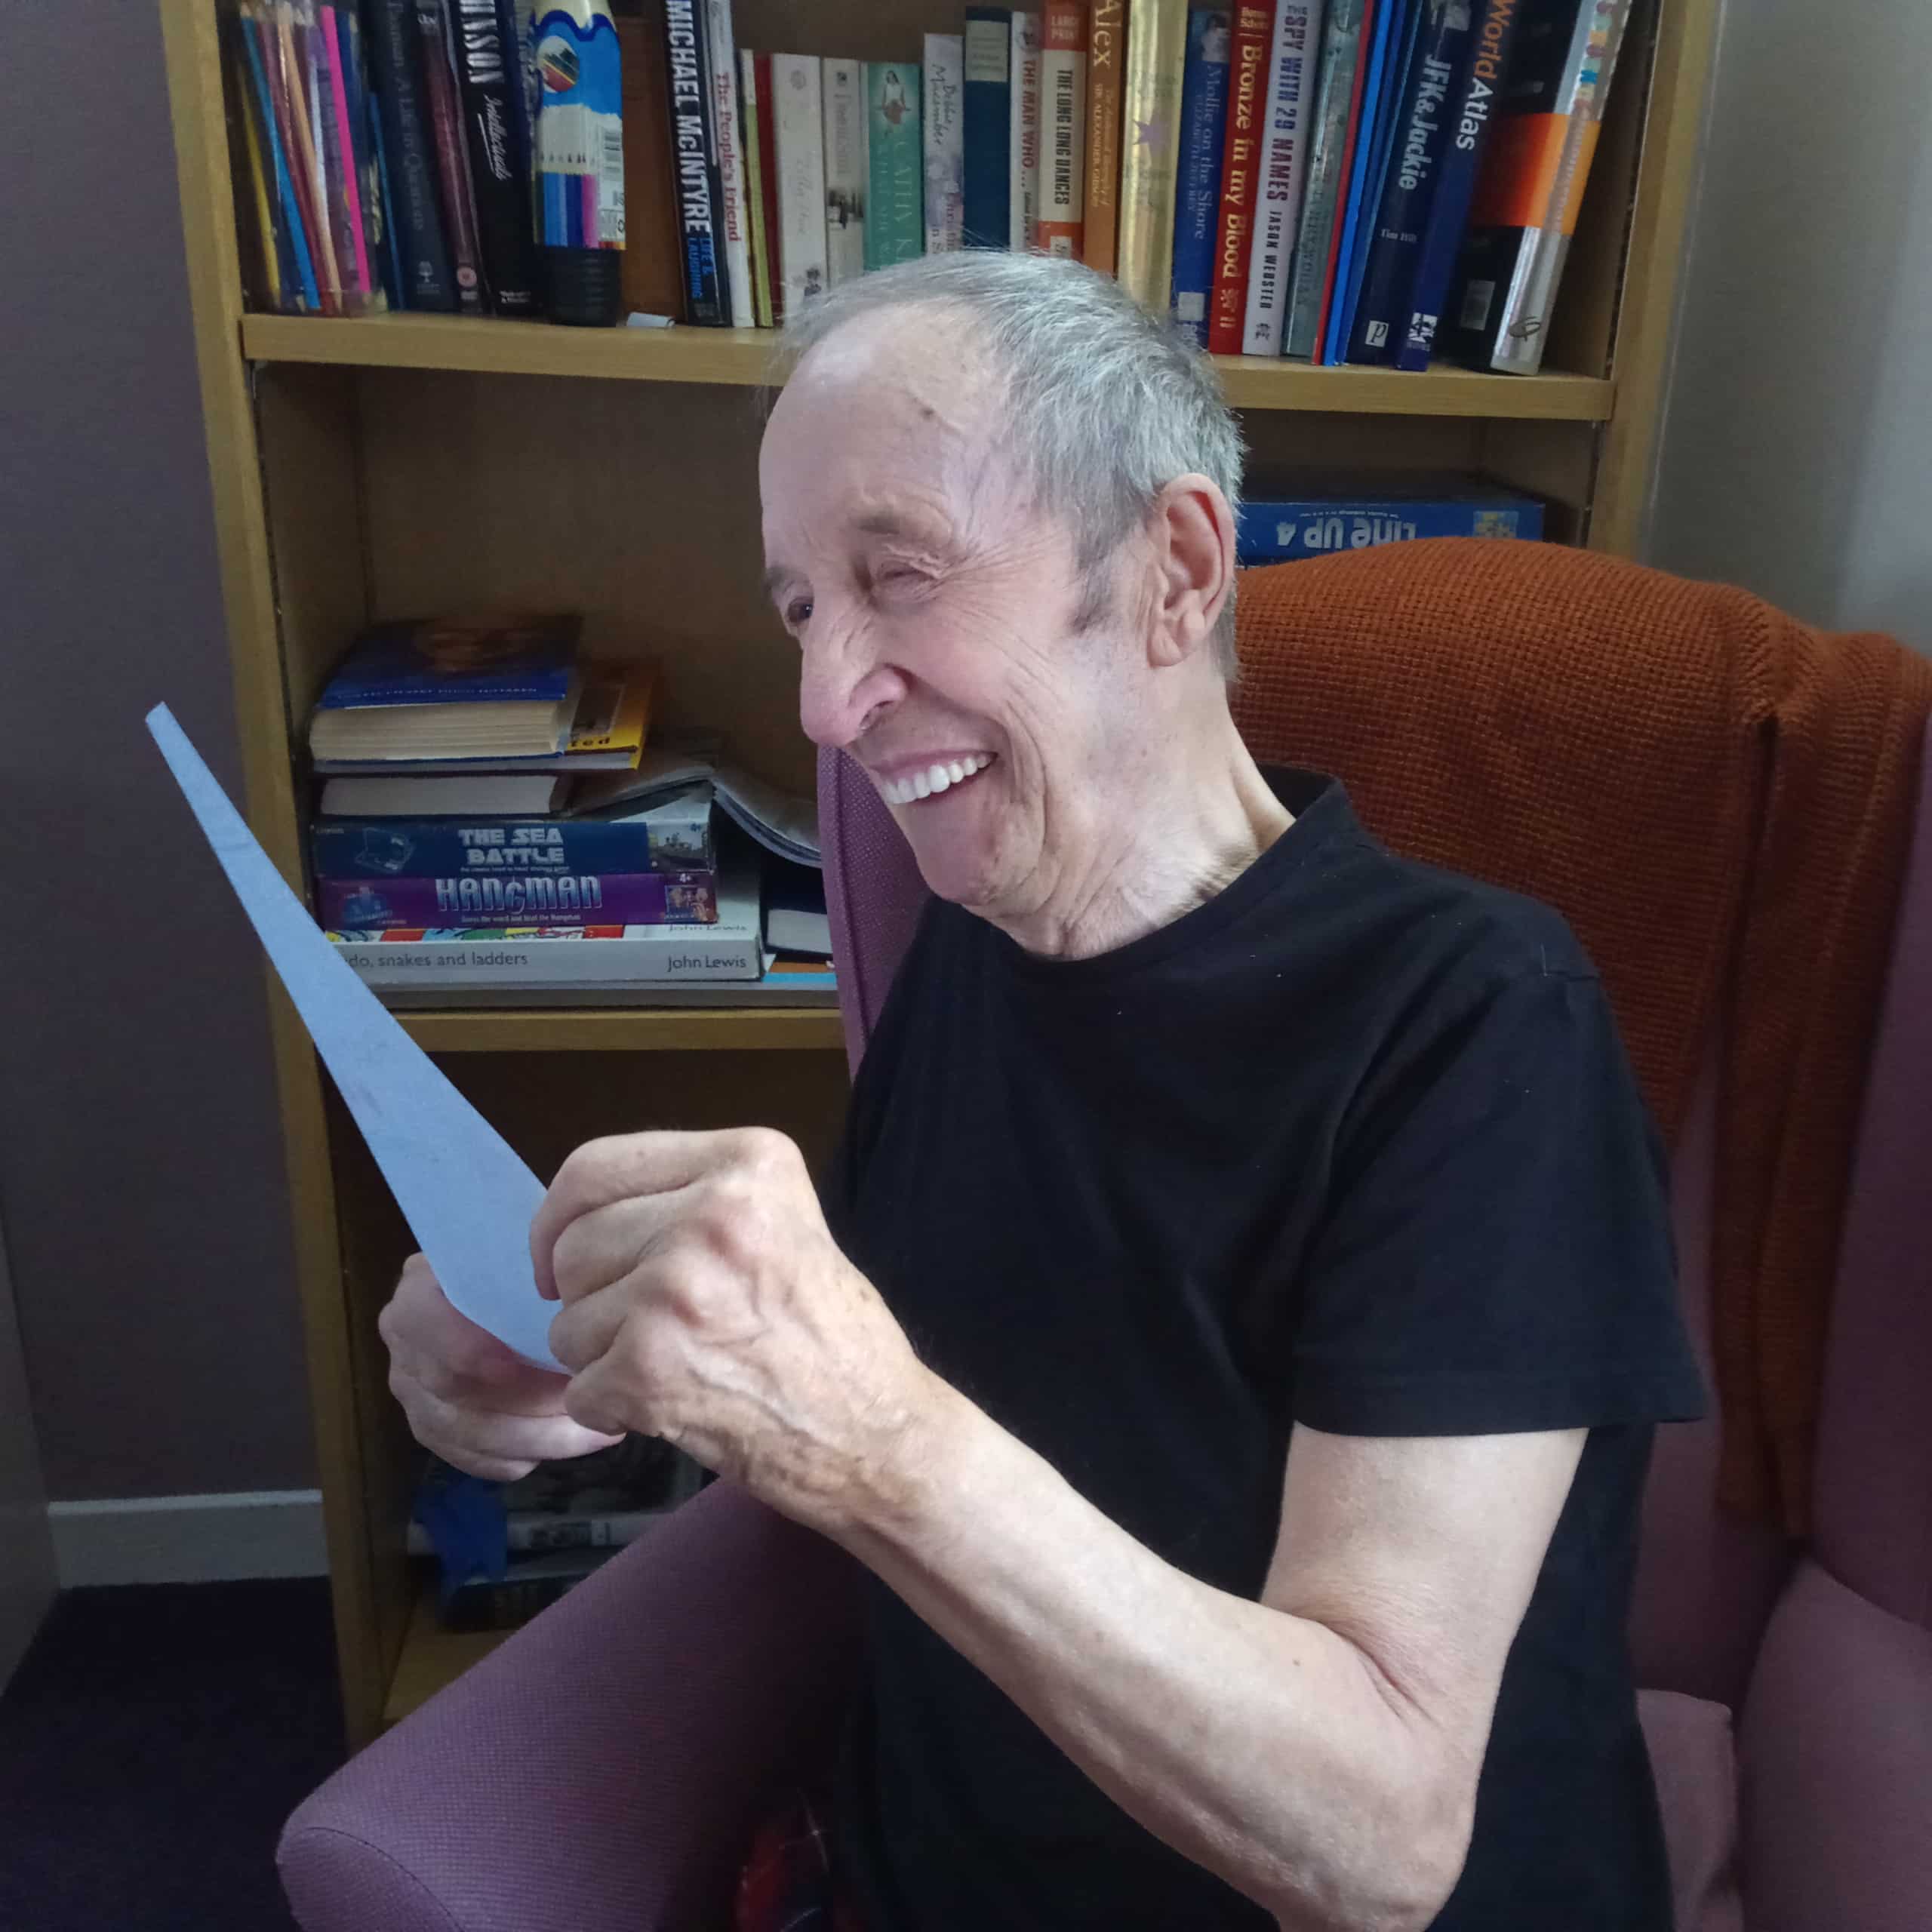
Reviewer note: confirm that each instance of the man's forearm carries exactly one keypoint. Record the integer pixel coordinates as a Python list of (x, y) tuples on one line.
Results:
[(1266, 1747)]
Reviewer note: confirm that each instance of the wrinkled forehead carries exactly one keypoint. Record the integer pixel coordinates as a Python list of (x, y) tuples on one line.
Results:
[(899, 402)]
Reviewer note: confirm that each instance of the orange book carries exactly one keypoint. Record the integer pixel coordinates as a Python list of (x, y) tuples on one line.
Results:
[(1106, 59), (1062, 129), (653, 275)]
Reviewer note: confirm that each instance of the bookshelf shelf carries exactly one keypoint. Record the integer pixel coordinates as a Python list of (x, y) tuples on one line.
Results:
[(370, 468), (643, 1030), (743, 357), (432, 1657)]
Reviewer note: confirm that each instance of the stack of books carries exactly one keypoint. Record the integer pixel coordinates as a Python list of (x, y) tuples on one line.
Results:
[(1358, 181), (491, 822), (505, 1551)]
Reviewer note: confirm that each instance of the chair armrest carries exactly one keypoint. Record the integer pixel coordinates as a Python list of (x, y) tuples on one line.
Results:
[(599, 1771)]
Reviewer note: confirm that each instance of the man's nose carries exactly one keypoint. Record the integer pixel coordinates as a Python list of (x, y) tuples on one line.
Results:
[(843, 686)]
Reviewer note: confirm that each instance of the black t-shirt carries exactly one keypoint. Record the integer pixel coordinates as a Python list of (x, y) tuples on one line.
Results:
[(1353, 1143)]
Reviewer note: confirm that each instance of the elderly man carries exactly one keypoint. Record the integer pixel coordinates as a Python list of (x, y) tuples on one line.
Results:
[(1231, 1337)]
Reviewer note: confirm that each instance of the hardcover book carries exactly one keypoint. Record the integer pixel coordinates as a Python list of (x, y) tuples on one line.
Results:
[(1106, 61), (1150, 149), (726, 151), (1337, 106), (489, 73), (987, 52), (845, 113), (1023, 151), (1253, 34), (409, 161), (798, 90), (707, 298)]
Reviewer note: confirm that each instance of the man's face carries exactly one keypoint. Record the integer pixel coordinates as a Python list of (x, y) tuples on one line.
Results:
[(935, 611)]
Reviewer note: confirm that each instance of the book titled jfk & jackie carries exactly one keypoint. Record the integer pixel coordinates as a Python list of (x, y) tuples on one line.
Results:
[(1321, 512), (559, 899), (1472, 115), (1414, 170), (1204, 111)]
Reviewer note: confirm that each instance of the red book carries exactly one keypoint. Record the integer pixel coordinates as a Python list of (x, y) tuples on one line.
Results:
[(1247, 102), (768, 149), (1348, 167)]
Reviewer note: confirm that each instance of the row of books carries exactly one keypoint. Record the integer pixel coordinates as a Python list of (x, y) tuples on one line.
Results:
[(1364, 181), (490, 818), (1323, 179)]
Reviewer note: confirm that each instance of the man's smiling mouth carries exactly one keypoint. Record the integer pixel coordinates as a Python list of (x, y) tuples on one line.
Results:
[(928, 779)]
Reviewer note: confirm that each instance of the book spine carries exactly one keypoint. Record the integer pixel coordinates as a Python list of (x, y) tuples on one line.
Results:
[(1285, 145), (727, 153), (944, 129), (1150, 108), (1280, 532), (1337, 100), (346, 156), (1204, 116), (757, 242), (1253, 34), (1528, 198), (798, 109), (488, 76), (607, 956), (986, 127), (1022, 186), (1106, 64), (653, 276), (1415, 169), (303, 135), (706, 299), (1386, 56), (546, 898), (767, 143), (1063, 128), (319, 280), (1471, 119), (844, 170), (408, 156), (362, 134), (266, 269), (895, 214), (304, 294), (377, 848), (433, 26)]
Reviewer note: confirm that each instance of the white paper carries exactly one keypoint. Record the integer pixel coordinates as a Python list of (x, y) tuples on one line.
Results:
[(468, 1199)]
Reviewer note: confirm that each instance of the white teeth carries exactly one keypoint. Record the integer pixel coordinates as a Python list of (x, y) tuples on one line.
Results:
[(935, 778)]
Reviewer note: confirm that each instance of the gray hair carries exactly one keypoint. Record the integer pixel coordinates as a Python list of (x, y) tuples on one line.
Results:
[(1108, 404)]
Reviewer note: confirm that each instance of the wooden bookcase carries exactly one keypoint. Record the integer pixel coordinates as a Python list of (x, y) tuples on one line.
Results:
[(404, 464)]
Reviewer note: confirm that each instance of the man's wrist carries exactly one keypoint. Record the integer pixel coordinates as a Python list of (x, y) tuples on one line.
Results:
[(910, 1489)]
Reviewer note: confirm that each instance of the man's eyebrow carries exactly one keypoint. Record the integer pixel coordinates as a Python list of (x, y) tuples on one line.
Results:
[(891, 523), (777, 577)]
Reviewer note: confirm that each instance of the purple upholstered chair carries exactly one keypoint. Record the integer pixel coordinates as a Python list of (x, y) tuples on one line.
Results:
[(601, 1771)]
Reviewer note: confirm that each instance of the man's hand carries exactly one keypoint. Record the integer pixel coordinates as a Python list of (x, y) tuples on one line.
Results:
[(705, 1301), (466, 1396)]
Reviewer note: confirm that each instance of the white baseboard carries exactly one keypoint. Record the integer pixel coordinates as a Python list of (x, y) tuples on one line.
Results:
[(189, 1539)]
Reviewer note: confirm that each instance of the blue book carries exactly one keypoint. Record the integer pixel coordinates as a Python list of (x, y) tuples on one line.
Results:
[(986, 119), (1392, 21), (1472, 114), (1420, 136), (1318, 515), (1203, 112), (433, 661)]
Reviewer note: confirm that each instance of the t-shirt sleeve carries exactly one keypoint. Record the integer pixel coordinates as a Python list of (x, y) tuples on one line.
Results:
[(1495, 1255)]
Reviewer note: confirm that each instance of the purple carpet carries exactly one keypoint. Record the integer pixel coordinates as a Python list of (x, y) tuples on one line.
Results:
[(151, 1741)]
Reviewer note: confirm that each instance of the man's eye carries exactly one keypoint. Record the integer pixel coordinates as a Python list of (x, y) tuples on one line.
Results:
[(798, 611)]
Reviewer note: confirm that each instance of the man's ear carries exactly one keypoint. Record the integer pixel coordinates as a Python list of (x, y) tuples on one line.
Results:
[(1193, 533)]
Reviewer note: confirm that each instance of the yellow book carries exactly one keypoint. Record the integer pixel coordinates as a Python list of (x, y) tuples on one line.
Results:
[(613, 715), (1150, 148)]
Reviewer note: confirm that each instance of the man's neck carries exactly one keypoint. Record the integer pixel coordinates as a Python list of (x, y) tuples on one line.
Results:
[(1170, 847)]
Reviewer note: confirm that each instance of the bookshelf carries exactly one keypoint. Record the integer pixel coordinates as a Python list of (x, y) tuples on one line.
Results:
[(374, 468)]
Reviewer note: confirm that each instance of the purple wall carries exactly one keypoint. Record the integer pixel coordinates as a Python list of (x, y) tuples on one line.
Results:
[(141, 1183)]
